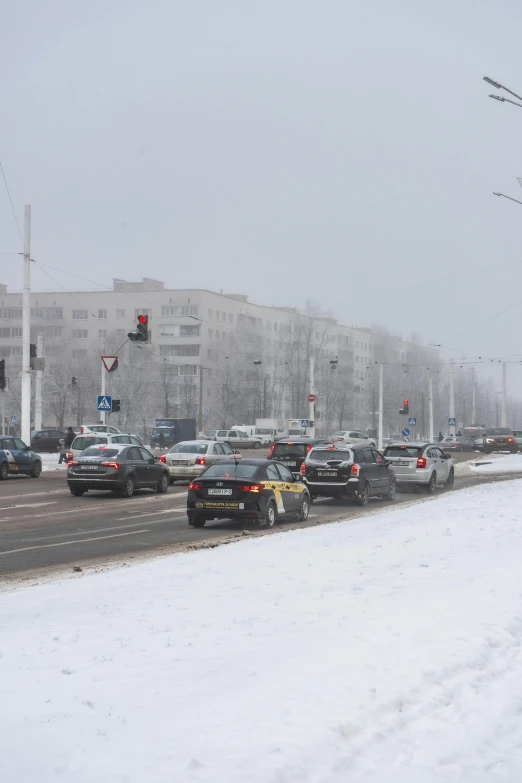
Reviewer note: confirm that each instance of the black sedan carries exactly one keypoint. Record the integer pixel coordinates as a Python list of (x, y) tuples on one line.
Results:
[(357, 471), (292, 451), (47, 440), (119, 468), (256, 489)]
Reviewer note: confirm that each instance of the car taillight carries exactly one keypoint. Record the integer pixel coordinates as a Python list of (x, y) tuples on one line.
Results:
[(251, 488), (81, 430), (303, 469), (195, 486), (200, 460), (308, 447), (271, 451), (163, 458), (71, 463), (510, 440), (421, 462), (69, 455), (354, 472), (114, 465)]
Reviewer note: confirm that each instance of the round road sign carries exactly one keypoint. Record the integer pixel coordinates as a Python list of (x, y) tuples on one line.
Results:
[(311, 398)]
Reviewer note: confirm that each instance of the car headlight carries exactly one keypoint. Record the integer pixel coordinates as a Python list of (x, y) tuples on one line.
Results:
[(490, 440)]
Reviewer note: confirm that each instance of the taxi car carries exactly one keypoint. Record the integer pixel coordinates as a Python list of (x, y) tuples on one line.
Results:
[(259, 489), (16, 458)]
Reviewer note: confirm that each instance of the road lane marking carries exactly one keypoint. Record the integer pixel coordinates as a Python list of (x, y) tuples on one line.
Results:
[(95, 509), (152, 514), (68, 543), (29, 505)]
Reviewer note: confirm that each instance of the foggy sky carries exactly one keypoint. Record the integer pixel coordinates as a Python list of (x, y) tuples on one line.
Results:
[(286, 149)]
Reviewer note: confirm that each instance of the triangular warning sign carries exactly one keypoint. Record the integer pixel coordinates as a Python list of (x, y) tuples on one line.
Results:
[(110, 363), (104, 405)]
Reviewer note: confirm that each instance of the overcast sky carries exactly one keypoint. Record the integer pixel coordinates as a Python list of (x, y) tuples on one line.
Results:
[(287, 149)]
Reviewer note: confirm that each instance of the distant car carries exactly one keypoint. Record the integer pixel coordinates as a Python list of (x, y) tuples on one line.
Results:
[(87, 428), (82, 442), (190, 458), (357, 471), (456, 443), (352, 436), (47, 440), (237, 439), (517, 434), (119, 468), (421, 463), (256, 489), (386, 442), (499, 439), (16, 458), (293, 451)]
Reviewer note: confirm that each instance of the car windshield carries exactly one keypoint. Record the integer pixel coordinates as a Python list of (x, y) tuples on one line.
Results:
[(97, 427), (289, 450), (97, 451), (324, 455), (230, 471), (403, 451), (82, 442), (189, 448), (499, 431)]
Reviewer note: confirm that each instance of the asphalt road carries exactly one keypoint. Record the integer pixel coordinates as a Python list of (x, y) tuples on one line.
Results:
[(43, 527)]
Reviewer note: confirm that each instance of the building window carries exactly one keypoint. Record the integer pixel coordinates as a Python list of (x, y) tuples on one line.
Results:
[(80, 334), (188, 369), (230, 318), (37, 312), (223, 316), (54, 312), (143, 312), (179, 350), (179, 310), (5, 331), (16, 331), (102, 333), (210, 313), (102, 314), (188, 331), (210, 334), (16, 350), (53, 331), (79, 353), (209, 353), (120, 313), (80, 315)]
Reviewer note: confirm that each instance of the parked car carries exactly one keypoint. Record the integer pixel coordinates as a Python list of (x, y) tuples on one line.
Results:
[(190, 458), (422, 464), (47, 440), (116, 467), (82, 442), (357, 471), (517, 434), (16, 458), (87, 428), (499, 439), (237, 439), (456, 443), (352, 436), (256, 489), (292, 451)]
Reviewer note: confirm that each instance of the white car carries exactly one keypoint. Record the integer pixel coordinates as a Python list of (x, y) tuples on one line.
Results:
[(421, 463), (82, 442), (352, 436), (188, 459), (90, 428)]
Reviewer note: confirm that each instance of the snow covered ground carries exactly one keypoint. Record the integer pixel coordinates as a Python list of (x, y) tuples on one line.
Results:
[(505, 463), (383, 649), (50, 462)]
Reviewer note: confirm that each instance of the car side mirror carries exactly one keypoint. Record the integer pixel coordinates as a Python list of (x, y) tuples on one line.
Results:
[(236, 451), (446, 455), (28, 448)]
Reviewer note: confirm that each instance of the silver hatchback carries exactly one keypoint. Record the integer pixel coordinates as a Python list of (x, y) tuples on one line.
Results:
[(422, 464), (188, 459)]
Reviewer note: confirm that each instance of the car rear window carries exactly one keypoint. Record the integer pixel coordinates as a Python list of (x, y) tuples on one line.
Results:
[(189, 448), (96, 451), (324, 455), (289, 450), (82, 442), (97, 427), (403, 451), (498, 431), (230, 471)]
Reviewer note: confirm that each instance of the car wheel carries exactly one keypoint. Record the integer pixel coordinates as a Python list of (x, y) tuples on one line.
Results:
[(37, 469), (362, 497), (4, 471), (128, 488), (305, 508), (77, 492), (270, 517), (196, 522), (450, 480), (432, 484), (163, 486), (256, 445), (392, 490)]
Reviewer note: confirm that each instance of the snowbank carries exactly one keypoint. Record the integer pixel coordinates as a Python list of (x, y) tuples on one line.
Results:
[(505, 463), (50, 462), (387, 648)]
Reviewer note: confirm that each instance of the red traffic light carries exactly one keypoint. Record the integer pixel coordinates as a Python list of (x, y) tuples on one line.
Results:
[(405, 403), (142, 319)]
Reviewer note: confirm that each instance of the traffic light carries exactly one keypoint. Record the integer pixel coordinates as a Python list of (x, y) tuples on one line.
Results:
[(2, 375), (405, 408), (32, 355), (115, 406), (142, 330), (74, 384)]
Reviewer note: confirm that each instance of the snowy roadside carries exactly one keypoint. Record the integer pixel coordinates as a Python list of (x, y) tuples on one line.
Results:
[(383, 649), (463, 468), (507, 464), (50, 462)]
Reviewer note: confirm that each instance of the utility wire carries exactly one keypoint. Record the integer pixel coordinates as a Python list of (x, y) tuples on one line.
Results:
[(11, 202)]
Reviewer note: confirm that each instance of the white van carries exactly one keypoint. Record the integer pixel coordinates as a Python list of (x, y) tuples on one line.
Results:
[(249, 429)]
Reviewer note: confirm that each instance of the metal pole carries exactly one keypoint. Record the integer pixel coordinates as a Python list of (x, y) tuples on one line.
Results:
[(78, 403), (473, 399), (264, 397), (200, 409), (381, 396), (373, 409), (103, 415), (38, 404), (503, 421), (430, 403), (26, 333), (2, 396), (423, 423), (312, 402), (452, 429)]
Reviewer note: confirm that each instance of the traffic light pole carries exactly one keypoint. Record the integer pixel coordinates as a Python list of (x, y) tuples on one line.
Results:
[(26, 333), (38, 405), (381, 395), (103, 415)]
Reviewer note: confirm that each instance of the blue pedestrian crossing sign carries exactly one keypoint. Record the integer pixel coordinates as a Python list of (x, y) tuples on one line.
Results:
[(405, 432), (104, 403), (305, 422), (452, 422), (412, 421), (13, 419)]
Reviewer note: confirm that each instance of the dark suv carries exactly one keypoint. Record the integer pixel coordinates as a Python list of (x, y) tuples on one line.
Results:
[(499, 439), (357, 471), (292, 451)]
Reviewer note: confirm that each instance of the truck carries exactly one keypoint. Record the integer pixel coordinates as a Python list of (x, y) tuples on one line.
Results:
[(173, 431), (270, 430)]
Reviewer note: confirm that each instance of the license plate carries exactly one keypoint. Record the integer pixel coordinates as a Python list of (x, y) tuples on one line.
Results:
[(89, 467), (220, 492), (402, 464), (291, 464), (219, 504), (181, 462), (327, 473)]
